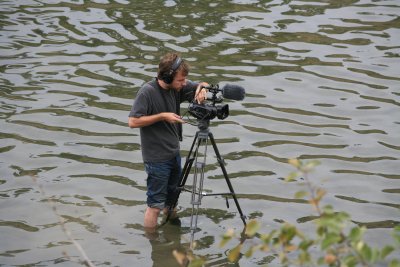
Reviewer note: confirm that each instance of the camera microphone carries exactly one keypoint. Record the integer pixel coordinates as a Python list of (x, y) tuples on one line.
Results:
[(234, 92), (229, 91)]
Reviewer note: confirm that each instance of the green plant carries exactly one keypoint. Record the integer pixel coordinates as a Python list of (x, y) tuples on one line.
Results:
[(188, 258), (334, 243)]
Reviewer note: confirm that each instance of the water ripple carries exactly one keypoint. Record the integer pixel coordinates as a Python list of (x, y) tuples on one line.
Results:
[(321, 82)]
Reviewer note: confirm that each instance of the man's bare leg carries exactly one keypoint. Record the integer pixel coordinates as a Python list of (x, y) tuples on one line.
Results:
[(150, 218)]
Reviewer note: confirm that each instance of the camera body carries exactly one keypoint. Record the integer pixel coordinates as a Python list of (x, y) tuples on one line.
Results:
[(209, 112)]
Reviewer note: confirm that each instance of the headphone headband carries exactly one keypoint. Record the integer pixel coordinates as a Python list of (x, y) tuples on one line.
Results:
[(177, 63), (169, 76)]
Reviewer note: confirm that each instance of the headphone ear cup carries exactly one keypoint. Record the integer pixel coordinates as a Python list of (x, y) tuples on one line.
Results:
[(167, 78)]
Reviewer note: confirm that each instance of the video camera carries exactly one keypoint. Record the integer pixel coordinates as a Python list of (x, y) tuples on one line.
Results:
[(210, 111)]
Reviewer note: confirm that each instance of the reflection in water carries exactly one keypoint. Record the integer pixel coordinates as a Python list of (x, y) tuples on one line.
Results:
[(321, 83), (163, 242)]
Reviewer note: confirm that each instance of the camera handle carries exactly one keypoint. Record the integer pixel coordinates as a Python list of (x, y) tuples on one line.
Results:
[(201, 138)]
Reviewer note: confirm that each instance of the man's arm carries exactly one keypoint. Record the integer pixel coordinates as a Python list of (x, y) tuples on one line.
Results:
[(138, 122), (193, 91)]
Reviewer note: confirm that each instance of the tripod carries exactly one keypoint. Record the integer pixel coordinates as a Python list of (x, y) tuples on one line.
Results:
[(201, 138)]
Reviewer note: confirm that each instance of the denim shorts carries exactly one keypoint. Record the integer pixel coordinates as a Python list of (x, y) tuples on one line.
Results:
[(162, 182)]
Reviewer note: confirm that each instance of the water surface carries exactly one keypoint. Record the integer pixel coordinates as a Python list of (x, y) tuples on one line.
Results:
[(321, 80)]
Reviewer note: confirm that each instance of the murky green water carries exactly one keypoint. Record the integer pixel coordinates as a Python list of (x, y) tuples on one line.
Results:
[(322, 82)]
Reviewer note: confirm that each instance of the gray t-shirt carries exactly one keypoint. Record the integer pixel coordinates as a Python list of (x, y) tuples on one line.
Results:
[(160, 141)]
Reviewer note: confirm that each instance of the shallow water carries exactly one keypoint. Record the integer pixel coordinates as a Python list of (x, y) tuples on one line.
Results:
[(321, 80)]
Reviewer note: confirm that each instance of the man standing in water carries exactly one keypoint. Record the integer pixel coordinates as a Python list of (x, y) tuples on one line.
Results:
[(156, 111)]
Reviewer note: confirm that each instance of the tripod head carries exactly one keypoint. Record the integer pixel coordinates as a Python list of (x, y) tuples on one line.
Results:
[(203, 124)]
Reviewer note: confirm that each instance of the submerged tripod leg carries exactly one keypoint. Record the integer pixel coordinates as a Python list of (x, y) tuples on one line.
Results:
[(221, 164)]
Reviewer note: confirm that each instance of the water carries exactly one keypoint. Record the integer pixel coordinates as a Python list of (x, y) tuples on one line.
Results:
[(321, 79)]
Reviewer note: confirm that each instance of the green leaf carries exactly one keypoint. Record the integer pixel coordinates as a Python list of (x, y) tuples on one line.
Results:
[(291, 177), (252, 227), (250, 252), (396, 234), (329, 240), (252, 249), (374, 255), (233, 255), (227, 237), (309, 166), (266, 238), (328, 209), (366, 252), (356, 233), (394, 263), (300, 194), (197, 262), (386, 251), (288, 232), (305, 244), (359, 246), (283, 258), (350, 261)]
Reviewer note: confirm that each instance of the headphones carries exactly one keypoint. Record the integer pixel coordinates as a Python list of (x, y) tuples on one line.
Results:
[(168, 77)]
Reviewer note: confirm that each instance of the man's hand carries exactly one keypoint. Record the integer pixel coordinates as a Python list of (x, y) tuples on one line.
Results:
[(143, 121), (172, 117), (201, 93)]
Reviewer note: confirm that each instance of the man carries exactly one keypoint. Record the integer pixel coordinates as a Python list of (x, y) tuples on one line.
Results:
[(156, 112)]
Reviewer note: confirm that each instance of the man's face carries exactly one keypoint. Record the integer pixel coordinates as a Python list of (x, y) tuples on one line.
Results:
[(179, 81)]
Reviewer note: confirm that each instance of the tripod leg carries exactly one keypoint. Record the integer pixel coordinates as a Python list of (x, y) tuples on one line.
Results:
[(183, 178), (221, 164), (187, 167), (197, 189)]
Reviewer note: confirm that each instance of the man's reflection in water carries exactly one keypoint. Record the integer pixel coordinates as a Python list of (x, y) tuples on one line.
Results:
[(167, 238), (164, 241)]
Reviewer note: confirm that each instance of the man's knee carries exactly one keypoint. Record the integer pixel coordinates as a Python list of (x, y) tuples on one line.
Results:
[(153, 211), (150, 217)]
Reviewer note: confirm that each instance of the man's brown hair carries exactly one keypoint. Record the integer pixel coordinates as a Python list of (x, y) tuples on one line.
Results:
[(165, 71)]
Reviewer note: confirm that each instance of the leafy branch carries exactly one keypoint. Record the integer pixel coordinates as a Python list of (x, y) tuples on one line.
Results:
[(61, 222), (332, 245)]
